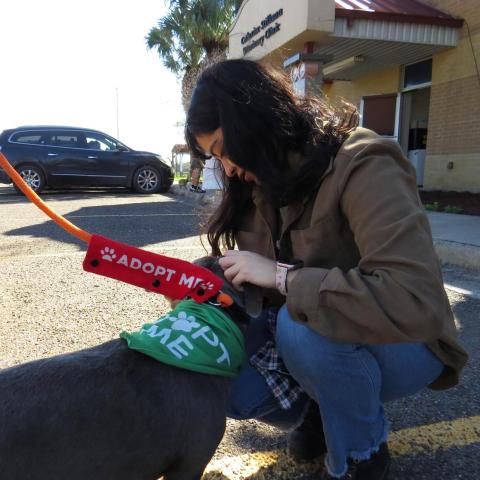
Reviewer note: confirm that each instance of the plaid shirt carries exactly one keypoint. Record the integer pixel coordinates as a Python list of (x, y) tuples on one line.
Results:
[(284, 388)]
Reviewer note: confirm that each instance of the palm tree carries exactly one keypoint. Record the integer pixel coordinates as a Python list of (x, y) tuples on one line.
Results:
[(193, 34)]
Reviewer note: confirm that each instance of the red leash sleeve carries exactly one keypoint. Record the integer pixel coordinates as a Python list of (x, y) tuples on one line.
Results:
[(165, 275)]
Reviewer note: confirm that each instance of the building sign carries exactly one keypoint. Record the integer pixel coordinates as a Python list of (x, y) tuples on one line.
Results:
[(266, 26)]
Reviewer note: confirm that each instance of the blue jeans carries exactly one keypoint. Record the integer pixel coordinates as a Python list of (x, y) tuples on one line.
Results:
[(349, 382)]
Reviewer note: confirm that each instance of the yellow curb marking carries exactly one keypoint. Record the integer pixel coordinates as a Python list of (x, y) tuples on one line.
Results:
[(247, 464), (429, 438), (258, 466), (416, 440)]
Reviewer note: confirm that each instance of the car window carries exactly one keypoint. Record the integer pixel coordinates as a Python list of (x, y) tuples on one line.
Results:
[(65, 140), (47, 139), (100, 142), (27, 137)]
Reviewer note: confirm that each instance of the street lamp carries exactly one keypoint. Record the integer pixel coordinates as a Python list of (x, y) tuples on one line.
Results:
[(118, 131)]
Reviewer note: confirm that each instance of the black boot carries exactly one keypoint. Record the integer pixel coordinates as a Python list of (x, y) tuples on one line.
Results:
[(375, 468), (307, 441)]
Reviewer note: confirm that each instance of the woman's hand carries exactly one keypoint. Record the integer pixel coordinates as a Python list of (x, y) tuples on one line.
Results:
[(242, 266)]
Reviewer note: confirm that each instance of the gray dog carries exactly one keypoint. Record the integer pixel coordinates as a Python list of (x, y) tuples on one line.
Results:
[(111, 413)]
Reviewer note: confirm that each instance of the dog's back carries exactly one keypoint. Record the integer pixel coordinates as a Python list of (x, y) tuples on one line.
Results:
[(112, 413), (108, 412)]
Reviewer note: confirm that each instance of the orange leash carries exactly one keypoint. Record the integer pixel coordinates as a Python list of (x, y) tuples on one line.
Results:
[(142, 280), (34, 198)]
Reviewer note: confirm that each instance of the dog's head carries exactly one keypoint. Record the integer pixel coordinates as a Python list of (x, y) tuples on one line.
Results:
[(246, 304)]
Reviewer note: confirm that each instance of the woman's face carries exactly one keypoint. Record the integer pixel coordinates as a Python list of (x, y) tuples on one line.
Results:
[(212, 145)]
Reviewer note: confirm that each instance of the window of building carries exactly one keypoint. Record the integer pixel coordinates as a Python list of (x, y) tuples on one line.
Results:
[(379, 113), (417, 74)]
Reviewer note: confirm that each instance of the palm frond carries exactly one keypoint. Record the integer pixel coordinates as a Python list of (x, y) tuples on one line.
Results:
[(192, 31)]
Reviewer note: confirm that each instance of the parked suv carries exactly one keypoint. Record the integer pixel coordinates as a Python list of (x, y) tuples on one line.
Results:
[(47, 156)]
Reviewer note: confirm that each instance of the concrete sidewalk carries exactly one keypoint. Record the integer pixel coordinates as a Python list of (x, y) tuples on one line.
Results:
[(456, 237)]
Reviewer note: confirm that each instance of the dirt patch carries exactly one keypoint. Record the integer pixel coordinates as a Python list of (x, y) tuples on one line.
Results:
[(467, 203)]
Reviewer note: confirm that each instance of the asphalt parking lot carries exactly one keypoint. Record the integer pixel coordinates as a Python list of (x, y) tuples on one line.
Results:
[(49, 305)]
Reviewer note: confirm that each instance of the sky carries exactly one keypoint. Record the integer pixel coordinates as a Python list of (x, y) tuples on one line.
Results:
[(64, 61)]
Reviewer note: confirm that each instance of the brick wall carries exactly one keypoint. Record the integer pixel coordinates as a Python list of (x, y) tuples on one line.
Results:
[(382, 81), (454, 119), (466, 9), (462, 177), (454, 115), (454, 126)]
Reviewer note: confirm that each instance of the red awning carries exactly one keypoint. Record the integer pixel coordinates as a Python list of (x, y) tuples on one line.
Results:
[(411, 11)]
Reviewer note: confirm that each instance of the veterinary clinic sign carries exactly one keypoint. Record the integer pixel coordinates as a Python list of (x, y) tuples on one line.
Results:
[(269, 26)]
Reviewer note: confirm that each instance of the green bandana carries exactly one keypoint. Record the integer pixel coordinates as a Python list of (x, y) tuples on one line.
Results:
[(194, 337)]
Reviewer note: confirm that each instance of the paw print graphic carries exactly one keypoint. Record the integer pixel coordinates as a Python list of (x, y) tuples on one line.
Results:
[(108, 254), (208, 285), (184, 322)]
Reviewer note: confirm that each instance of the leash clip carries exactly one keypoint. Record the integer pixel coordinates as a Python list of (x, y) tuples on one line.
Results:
[(223, 300)]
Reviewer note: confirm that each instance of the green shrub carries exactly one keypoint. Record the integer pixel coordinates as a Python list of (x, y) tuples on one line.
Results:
[(432, 207), (453, 209)]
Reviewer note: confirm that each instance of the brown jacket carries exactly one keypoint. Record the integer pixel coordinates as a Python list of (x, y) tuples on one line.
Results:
[(370, 272)]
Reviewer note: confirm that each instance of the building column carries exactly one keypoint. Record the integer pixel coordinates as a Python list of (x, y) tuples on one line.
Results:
[(305, 70)]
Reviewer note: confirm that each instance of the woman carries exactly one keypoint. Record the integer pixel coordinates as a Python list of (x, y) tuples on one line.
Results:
[(327, 219)]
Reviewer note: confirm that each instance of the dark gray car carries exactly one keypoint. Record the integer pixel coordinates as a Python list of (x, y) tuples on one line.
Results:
[(59, 157)]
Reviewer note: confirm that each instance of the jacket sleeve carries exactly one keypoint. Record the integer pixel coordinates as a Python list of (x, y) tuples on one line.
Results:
[(396, 293)]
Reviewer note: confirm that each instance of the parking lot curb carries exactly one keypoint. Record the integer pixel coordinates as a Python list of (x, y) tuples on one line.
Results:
[(458, 254), (449, 252), (208, 198)]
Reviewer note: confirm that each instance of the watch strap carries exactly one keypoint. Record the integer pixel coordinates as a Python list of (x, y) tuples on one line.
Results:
[(281, 275)]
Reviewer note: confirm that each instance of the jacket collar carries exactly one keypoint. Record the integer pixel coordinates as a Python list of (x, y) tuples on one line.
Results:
[(291, 212)]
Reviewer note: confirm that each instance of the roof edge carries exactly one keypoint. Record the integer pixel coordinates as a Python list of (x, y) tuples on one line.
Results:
[(352, 15)]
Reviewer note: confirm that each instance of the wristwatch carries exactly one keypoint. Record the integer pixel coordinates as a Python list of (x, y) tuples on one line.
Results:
[(281, 275)]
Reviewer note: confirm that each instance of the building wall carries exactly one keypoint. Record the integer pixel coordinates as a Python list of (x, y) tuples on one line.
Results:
[(254, 36), (453, 145), (454, 114), (454, 117), (383, 81), (466, 9)]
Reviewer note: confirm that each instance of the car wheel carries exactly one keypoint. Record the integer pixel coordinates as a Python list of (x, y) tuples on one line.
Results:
[(147, 180), (33, 176)]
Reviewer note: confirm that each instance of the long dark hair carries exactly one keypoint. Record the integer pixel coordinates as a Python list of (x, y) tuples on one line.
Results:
[(263, 121)]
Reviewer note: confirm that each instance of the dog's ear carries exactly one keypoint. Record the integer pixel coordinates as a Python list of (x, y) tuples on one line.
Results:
[(250, 300), (211, 263), (253, 300)]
